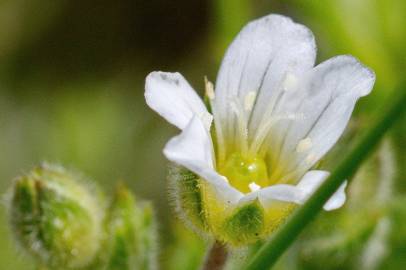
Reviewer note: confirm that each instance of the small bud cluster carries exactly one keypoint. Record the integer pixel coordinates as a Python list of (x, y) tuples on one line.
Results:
[(62, 222)]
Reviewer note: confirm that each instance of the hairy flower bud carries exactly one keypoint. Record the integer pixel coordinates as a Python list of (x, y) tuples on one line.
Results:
[(56, 217), (131, 234)]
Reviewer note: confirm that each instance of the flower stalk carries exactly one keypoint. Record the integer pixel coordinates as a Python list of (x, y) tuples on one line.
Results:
[(216, 257)]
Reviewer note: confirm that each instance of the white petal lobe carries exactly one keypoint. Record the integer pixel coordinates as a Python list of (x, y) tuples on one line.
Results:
[(257, 61), (326, 100), (170, 95)]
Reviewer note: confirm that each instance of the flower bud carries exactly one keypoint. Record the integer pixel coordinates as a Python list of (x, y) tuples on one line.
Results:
[(131, 234), (56, 217)]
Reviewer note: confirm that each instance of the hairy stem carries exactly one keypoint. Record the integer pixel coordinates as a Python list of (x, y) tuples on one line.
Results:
[(216, 257)]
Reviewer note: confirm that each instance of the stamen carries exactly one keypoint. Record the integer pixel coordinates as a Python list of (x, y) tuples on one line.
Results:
[(261, 134), (209, 89), (221, 147), (249, 100), (311, 158), (242, 129), (209, 92), (254, 187), (304, 145), (290, 82)]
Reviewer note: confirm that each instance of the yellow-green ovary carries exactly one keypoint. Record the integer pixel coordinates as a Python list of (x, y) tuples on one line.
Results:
[(242, 172)]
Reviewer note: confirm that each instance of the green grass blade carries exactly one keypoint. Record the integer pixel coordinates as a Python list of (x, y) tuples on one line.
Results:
[(284, 237)]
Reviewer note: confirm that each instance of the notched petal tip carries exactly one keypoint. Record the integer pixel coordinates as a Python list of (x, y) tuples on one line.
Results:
[(286, 22), (171, 96), (169, 77), (359, 76), (367, 73)]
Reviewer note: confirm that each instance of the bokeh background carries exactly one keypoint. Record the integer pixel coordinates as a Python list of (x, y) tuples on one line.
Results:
[(71, 91)]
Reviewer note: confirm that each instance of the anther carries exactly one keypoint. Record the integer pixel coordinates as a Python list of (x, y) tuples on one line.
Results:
[(254, 187), (304, 145), (209, 88), (249, 100), (311, 158), (289, 82)]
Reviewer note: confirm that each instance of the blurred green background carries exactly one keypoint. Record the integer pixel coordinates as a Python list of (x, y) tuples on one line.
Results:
[(71, 91)]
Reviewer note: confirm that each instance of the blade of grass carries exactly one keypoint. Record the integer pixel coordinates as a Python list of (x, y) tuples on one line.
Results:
[(284, 237)]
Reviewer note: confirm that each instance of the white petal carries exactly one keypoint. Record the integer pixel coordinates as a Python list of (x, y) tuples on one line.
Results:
[(193, 150), (312, 180), (322, 108), (174, 99), (282, 192), (338, 199), (193, 146), (256, 64), (300, 193)]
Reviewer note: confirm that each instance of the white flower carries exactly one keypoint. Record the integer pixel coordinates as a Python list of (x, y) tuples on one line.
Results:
[(275, 115)]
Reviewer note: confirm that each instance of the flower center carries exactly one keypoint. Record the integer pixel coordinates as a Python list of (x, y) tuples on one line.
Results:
[(245, 173)]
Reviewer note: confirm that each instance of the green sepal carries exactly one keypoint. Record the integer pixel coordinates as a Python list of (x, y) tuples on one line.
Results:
[(245, 224), (186, 195)]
